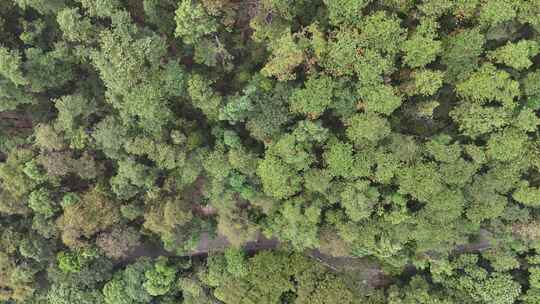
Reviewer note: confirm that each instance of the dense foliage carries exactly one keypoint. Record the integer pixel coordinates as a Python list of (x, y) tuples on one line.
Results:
[(403, 132)]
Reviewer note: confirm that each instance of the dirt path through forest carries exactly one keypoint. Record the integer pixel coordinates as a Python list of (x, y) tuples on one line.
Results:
[(366, 272)]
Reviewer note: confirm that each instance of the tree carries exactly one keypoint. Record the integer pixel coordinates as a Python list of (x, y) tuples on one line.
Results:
[(16, 281), (78, 274), (339, 159), (161, 14), (527, 195), (193, 22), (101, 8), (95, 213), (516, 55), (527, 13), (275, 276), (527, 120), (47, 138), (358, 199), (489, 84), (74, 26), (107, 134), (321, 287), (40, 201), (64, 294), (121, 61), (283, 13), (286, 56), (364, 128), (296, 223), (262, 106), (475, 120), (119, 242), (501, 260), (159, 278), (44, 7), (170, 218), (35, 247), (279, 180), (314, 98), (10, 66), (131, 178), (382, 32), (203, 96), (417, 290), (422, 181), (236, 226), (427, 82), (497, 11), (16, 184), (345, 11), (462, 53), (166, 157), (126, 287), (317, 180), (75, 261), (477, 285), (488, 204), (236, 262), (422, 48), (441, 149), (342, 56), (533, 294), (382, 99), (48, 69), (507, 145), (72, 111)]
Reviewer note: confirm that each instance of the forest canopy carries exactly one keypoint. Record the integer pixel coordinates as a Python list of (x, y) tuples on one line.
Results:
[(269, 151)]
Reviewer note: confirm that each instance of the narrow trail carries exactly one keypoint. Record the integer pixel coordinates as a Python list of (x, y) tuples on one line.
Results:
[(206, 245), (365, 271)]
